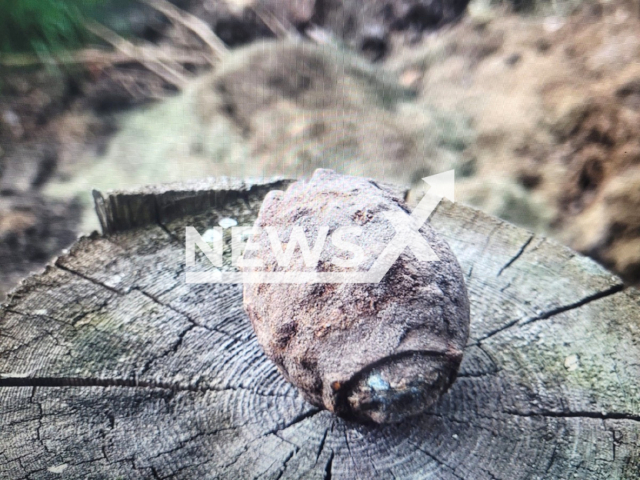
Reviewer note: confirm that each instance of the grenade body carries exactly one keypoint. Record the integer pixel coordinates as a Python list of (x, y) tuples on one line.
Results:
[(377, 352)]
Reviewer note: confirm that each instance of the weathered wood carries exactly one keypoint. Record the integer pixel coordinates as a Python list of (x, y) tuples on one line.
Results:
[(124, 210), (111, 366)]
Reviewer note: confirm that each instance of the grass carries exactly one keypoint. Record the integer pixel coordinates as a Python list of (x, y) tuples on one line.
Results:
[(43, 27), (485, 8)]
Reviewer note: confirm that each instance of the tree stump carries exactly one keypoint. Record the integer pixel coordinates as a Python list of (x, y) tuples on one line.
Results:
[(111, 366)]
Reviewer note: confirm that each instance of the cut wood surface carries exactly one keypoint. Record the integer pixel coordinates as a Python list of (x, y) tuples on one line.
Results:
[(111, 366)]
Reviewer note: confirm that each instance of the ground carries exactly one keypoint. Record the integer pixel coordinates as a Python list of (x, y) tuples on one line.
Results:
[(539, 114)]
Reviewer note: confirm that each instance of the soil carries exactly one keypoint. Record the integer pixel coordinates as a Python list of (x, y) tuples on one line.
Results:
[(53, 118), (555, 106), (540, 116)]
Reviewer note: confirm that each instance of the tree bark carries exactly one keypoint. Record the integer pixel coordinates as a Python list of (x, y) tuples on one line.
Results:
[(111, 366)]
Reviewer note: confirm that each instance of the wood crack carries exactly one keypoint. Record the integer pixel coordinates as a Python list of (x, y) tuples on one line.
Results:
[(572, 306), (173, 349), (87, 278), (328, 468), (126, 383), (178, 343), (322, 441), (191, 320), (516, 256), (284, 464), (45, 334), (40, 416), (435, 459), (300, 418), (555, 311), (579, 414), (353, 460), (157, 301), (551, 459), (484, 248), (477, 375)]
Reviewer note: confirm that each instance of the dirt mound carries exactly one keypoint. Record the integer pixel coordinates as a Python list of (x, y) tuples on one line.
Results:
[(32, 230), (600, 201), (594, 117), (555, 106), (299, 107), (609, 228), (280, 108), (54, 123), (539, 115)]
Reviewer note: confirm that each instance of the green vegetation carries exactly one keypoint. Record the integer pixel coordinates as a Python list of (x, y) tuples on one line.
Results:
[(484, 8), (43, 26), (545, 7)]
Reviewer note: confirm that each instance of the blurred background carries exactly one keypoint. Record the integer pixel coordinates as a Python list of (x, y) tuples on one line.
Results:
[(534, 103)]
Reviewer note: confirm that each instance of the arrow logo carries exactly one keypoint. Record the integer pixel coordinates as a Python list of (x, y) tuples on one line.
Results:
[(408, 228)]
